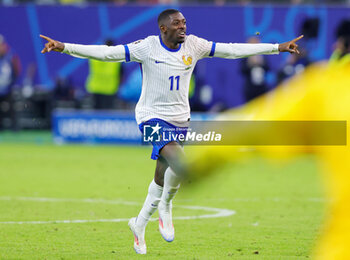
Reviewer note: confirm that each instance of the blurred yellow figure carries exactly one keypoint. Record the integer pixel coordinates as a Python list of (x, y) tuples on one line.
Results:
[(322, 93)]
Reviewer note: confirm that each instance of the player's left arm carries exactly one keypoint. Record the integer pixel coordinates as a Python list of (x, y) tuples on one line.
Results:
[(241, 50), (290, 46)]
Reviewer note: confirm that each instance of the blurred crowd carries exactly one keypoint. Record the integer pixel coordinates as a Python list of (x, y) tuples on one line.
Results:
[(217, 2), (24, 105)]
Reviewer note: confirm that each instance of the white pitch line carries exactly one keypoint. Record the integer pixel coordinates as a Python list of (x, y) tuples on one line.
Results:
[(318, 200), (217, 213), (103, 201)]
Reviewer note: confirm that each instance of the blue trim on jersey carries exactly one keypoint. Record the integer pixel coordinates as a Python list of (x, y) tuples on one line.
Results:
[(141, 70), (127, 53), (212, 51), (166, 47), (141, 73)]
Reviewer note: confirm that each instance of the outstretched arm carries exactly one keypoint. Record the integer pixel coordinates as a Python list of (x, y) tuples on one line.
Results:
[(241, 50), (98, 52), (52, 45), (290, 46)]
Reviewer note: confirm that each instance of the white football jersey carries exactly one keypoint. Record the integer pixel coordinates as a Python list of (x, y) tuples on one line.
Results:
[(166, 75)]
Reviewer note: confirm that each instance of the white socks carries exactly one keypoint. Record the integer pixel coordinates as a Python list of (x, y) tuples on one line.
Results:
[(156, 194), (151, 204), (171, 185)]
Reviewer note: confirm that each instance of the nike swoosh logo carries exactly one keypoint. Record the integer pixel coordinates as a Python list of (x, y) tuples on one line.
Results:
[(160, 61)]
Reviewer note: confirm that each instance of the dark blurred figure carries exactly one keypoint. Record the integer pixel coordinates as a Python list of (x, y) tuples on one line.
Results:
[(103, 81), (254, 70), (295, 64), (341, 53), (200, 93), (129, 91), (194, 92), (64, 94), (9, 72)]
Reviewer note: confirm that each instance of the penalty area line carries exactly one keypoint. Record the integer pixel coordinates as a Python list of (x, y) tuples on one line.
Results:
[(214, 212)]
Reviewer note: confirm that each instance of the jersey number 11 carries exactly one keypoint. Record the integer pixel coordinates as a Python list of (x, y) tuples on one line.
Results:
[(177, 79)]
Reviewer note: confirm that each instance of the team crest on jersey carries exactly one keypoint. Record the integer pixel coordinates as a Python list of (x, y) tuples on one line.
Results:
[(136, 42), (187, 60)]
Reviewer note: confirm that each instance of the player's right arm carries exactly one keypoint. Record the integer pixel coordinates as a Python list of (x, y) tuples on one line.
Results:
[(98, 52), (52, 45)]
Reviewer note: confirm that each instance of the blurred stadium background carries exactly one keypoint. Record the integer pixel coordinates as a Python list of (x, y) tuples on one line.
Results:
[(54, 99), (33, 86)]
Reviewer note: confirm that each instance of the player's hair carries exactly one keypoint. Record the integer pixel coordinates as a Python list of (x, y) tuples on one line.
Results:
[(165, 15)]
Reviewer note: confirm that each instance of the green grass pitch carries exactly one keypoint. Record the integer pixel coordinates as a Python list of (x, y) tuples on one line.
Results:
[(279, 210)]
